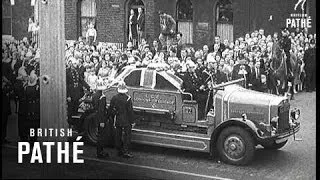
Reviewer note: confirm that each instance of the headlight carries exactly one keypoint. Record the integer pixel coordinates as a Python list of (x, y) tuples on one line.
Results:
[(295, 113), (274, 122)]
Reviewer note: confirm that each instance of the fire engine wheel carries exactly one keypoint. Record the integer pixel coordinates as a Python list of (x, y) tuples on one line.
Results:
[(235, 146), (91, 129), (274, 145)]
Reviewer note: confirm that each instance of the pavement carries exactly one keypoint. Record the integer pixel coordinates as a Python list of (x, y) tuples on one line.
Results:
[(295, 161)]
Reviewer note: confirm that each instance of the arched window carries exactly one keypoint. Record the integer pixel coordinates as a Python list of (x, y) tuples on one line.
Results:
[(224, 20), (184, 20), (88, 13), (224, 12), (134, 5), (184, 10)]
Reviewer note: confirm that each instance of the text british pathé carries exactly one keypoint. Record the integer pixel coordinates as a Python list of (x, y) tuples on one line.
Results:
[(62, 148)]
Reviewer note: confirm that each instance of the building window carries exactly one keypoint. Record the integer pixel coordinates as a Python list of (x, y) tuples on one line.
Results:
[(184, 10), (224, 20), (224, 12), (184, 20), (6, 17), (87, 15)]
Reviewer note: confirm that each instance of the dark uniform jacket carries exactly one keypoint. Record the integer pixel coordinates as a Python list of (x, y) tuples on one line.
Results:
[(190, 82), (255, 79), (218, 77), (133, 26), (221, 48), (309, 59), (75, 84), (121, 107), (99, 105), (141, 22), (33, 102), (20, 90), (6, 110), (285, 44)]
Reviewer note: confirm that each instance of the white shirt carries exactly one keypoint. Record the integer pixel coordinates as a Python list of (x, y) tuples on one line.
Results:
[(31, 27), (91, 32)]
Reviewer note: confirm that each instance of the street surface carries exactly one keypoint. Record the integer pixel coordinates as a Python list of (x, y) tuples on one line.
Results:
[(295, 161)]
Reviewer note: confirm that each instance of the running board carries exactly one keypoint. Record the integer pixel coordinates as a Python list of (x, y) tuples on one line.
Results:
[(171, 140)]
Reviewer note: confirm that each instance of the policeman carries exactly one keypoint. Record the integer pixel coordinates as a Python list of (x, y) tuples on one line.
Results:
[(190, 79), (121, 111), (20, 90), (310, 66), (75, 86), (285, 44), (33, 104), (5, 108), (99, 105)]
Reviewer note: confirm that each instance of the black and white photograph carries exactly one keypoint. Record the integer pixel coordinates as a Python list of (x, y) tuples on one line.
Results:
[(159, 89)]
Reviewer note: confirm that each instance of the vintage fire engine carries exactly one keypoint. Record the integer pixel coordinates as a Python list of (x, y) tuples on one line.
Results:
[(239, 120)]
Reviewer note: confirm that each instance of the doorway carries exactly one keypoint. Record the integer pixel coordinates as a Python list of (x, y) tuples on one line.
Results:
[(224, 20), (134, 5)]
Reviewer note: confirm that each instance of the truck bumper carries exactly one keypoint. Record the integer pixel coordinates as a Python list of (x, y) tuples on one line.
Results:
[(281, 137)]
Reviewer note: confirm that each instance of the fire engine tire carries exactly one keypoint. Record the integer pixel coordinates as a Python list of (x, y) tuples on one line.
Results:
[(91, 129), (274, 145), (235, 146)]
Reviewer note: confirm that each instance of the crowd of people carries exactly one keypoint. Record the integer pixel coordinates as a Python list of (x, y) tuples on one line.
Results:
[(20, 72), (224, 58), (89, 63)]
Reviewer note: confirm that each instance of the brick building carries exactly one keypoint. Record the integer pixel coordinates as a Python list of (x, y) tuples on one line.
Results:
[(198, 20), (15, 16)]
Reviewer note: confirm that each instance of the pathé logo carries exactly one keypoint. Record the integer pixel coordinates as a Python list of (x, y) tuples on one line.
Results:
[(302, 2)]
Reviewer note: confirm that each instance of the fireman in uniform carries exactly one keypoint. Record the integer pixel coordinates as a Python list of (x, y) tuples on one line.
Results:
[(33, 104), (6, 111), (75, 86), (242, 70), (20, 90), (190, 79), (121, 111), (210, 76), (99, 105)]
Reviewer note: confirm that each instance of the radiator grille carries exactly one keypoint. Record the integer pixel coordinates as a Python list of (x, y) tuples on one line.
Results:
[(283, 111)]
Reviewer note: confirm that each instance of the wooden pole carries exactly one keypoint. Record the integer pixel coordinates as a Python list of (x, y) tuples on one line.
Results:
[(53, 112), (52, 64)]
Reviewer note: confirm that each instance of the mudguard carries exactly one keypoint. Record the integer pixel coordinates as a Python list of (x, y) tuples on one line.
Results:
[(246, 124)]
